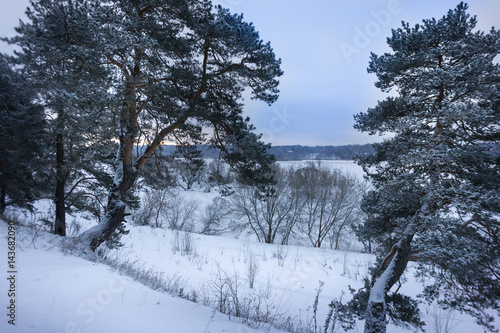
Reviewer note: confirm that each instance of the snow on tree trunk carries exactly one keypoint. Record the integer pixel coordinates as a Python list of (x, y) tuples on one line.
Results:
[(115, 212), (376, 310), (375, 317), (114, 217)]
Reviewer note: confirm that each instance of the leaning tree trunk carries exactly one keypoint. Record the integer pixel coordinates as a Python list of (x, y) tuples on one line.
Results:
[(376, 309), (115, 213), (114, 217), (126, 172), (100, 233)]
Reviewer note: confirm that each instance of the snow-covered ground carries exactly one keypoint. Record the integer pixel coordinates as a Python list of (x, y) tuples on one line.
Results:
[(56, 292), (59, 292), (349, 167)]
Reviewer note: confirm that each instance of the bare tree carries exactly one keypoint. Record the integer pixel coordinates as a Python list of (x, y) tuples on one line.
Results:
[(181, 213), (157, 203), (164, 208), (348, 203), (271, 212), (215, 217), (219, 173), (331, 199)]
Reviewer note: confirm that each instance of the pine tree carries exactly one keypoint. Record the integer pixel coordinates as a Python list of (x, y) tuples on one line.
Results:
[(59, 60), (181, 68), (436, 179), (23, 162)]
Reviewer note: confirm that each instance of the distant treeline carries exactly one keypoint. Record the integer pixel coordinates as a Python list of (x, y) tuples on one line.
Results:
[(295, 153)]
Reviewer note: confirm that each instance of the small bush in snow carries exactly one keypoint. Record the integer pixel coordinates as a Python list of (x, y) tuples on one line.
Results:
[(252, 270), (216, 216), (164, 208)]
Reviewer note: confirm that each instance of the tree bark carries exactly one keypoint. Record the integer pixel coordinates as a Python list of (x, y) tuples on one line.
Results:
[(60, 221), (376, 310), (115, 215), (3, 195), (125, 176), (375, 318)]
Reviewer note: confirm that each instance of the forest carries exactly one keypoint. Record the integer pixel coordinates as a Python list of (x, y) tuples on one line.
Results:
[(121, 119)]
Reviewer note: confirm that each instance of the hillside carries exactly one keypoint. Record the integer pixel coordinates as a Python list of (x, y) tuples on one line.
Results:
[(163, 280), (57, 292), (152, 285)]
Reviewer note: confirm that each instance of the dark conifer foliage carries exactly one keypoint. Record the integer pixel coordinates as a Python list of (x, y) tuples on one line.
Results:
[(23, 160), (437, 179), (58, 57)]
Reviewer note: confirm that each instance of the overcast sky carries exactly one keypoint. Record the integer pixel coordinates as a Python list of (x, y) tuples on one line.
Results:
[(324, 46)]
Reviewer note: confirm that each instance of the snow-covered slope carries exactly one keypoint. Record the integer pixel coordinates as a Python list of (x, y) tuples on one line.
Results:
[(170, 281), (61, 293), (57, 292)]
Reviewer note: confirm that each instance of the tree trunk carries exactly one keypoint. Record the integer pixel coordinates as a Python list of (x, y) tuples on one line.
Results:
[(318, 239), (3, 195), (268, 238), (125, 175), (376, 310), (60, 221), (115, 215), (375, 318), (103, 231)]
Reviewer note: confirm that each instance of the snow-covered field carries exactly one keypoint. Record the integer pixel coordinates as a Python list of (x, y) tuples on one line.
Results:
[(169, 281), (349, 167)]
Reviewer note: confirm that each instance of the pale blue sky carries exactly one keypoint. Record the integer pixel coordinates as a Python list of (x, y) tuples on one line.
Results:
[(325, 47)]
